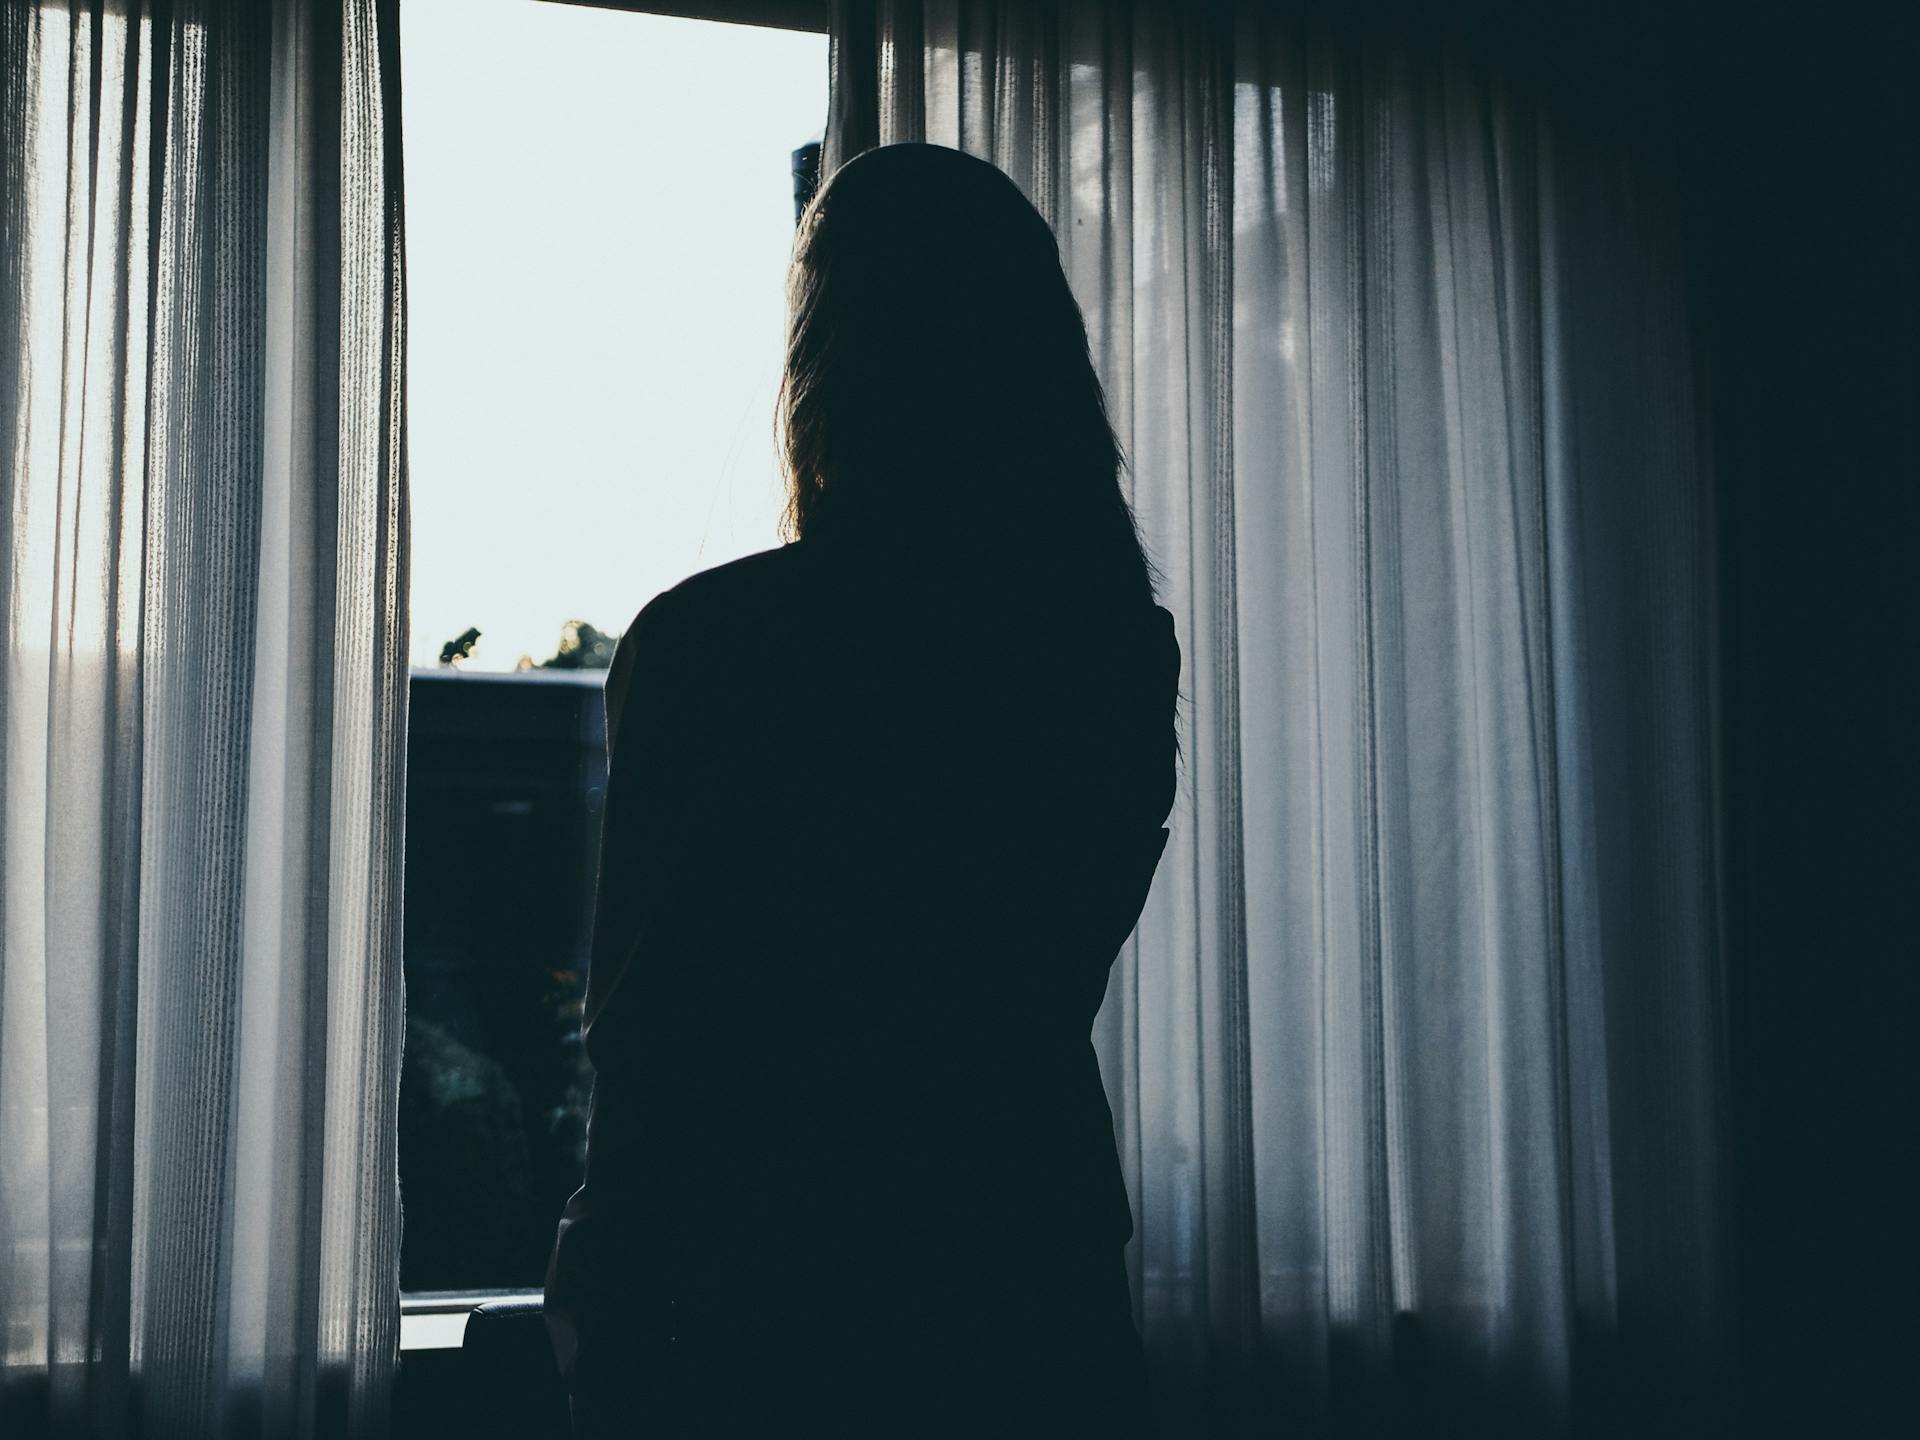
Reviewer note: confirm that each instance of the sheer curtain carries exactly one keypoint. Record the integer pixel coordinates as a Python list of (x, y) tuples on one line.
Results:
[(1415, 1056), (202, 719)]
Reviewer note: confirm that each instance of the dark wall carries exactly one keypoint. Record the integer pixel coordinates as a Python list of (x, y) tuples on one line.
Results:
[(1797, 137)]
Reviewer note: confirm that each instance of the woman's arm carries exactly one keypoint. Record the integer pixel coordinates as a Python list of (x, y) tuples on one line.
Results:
[(595, 1301), (1116, 874), (641, 696)]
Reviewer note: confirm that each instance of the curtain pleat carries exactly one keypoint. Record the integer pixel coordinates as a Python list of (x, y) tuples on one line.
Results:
[(1415, 1055), (202, 719)]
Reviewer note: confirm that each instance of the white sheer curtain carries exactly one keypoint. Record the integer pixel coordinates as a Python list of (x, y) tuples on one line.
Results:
[(203, 714), (1414, 1057)]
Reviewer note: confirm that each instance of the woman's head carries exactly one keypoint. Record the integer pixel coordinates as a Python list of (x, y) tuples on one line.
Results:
[(938, 385)]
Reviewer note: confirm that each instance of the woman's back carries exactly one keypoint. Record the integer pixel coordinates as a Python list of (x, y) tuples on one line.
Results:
[(874, 835)]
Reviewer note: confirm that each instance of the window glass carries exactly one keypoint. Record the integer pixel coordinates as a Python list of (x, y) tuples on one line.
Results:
[(600, 208)]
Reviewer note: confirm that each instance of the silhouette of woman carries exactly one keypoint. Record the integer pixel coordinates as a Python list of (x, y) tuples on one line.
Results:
[(884, 803)]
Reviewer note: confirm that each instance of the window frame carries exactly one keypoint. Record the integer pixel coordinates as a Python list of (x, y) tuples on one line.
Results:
[(809, 15)]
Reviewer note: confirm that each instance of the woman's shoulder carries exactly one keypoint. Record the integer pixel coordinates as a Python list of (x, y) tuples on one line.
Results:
[(695, 617), (760, 598), (746, 582)]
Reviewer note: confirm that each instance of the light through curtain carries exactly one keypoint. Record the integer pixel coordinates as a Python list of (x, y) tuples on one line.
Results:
[(1415, 1055), (202, 716)]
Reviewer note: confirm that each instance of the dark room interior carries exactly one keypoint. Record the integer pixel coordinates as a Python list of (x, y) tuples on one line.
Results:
[(1502, 1017)]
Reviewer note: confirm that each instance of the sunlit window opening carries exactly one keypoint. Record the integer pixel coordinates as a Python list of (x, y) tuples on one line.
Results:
[(600, 209), (599, 216)]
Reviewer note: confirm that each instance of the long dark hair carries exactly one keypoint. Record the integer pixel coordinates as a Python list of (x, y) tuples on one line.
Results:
[(938, 390)]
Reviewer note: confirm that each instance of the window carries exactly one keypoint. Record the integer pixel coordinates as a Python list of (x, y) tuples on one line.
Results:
[(600, 208)]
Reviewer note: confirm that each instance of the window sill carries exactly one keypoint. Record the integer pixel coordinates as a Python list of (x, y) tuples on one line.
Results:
[(437, 1319)]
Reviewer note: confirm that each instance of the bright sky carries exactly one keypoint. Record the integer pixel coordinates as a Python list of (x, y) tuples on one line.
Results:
[(599, 216)]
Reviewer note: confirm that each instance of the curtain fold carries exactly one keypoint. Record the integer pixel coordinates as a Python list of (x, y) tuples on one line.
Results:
[(202, 717), (1415, 1056)]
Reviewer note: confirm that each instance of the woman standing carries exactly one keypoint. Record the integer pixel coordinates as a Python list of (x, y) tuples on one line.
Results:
[(883, 805)]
